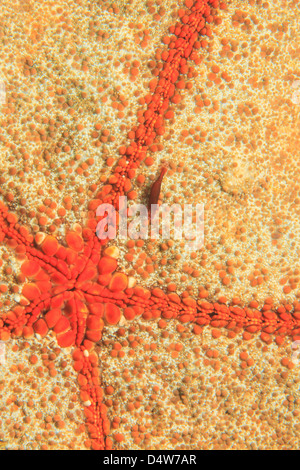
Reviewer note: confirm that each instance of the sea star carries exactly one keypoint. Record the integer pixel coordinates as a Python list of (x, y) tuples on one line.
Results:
[(76, 290)]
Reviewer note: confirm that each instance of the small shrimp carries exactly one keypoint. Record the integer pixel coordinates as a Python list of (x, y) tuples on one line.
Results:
[(155, 189)]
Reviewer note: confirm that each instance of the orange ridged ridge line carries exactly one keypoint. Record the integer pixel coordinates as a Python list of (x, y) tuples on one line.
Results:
[(185, 34), (75, 290)]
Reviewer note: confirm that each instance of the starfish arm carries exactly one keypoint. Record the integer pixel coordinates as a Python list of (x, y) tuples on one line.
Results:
[(23, 320), (91, 394), (49, 263), (194, 23), (18, 236)]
